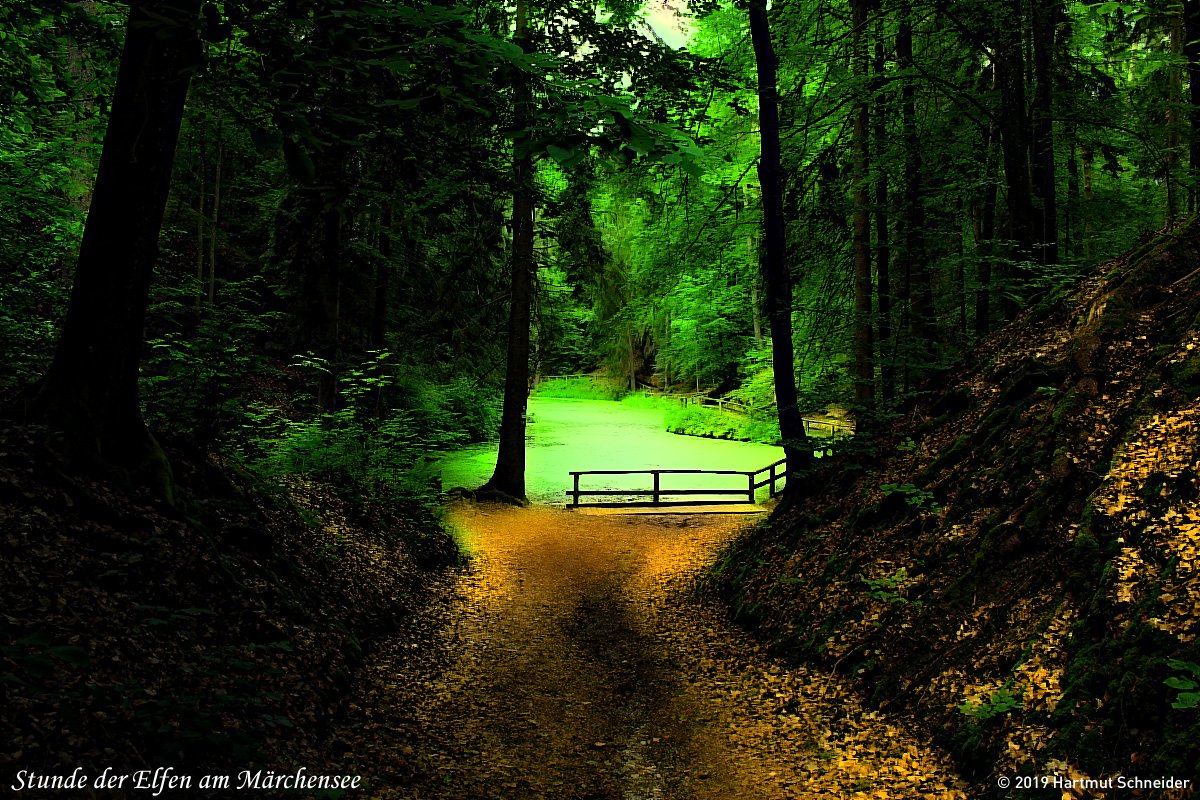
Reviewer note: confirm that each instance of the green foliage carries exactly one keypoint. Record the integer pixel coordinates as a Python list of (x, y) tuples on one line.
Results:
[(194, 379), (582, 388), (31, 304), (1186, 685), (383, 436), (917, 498), (1002, 701), (709, 421), (885, 588), (34, 655)]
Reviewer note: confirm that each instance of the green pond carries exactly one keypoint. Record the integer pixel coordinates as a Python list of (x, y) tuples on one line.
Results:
[(576, 435)]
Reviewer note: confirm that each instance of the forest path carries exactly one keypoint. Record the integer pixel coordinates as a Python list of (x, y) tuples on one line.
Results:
[(572, 661)]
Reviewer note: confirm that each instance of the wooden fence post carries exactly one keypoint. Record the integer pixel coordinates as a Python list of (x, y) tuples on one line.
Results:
[(656, 486), (575, 502)]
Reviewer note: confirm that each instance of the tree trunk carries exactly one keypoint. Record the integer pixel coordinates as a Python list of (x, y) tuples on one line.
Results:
[(1086, 157), (1191, 51), (1069, 238), (775, 267), (1044, 183), (383, 272), (985, 243), (883, 281), (216, 212), (754, 313), (327, 306), (509, 476), (629, 343), (1014, 125), (90, 391), (200, 218), (752, 255), (918, 283), (864, 368), (1174, 98)]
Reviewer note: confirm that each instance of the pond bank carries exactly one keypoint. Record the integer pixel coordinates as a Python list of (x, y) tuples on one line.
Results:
[(574, 435)]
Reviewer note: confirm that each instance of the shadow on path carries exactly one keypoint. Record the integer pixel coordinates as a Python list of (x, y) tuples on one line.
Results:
[(571, 661)]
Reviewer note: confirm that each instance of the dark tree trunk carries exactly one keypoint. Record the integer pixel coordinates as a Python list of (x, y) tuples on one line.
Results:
[(1014, 126), (200, 206), (216, 212), (985, 243), (1072, 210), (1174, 98), (326, 305), (1087, 162), (509, 476), (883, 283), (90, 391), (775, 267), (1044, 184), (1191, 51), (918, 282), (383, 272), (864, 368)]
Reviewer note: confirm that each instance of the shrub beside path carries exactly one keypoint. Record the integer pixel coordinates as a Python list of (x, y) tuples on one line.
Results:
[(573, 659)]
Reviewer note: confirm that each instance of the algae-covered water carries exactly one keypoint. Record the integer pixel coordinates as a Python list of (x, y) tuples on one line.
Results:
[(566, 435)]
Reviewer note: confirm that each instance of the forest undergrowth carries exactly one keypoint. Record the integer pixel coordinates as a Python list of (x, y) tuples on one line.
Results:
[(210, 636), (1012, 561)]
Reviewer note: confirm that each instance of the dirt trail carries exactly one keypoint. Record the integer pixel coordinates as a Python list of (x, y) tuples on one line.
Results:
[(571, 661)]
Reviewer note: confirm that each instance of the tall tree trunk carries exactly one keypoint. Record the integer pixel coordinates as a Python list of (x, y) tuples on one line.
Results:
[(200, 217), (90, 391), (1014, 127), (775, 268), (509, 475), (383, 272), (960, 275), (918, 282), (1069, 237), (985, 242), (1174, 99), (1191, 51), (864, 368), (629, 344), (883, 283), (1045, 186), (754, 313), (328, 308), (216, 212), (752, 256)]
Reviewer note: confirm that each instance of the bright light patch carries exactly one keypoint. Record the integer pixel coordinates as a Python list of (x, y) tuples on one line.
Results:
[(665, 18)]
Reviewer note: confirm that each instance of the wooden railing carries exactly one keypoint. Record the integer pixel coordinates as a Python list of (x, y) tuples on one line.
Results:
[(775, 474), (811, 424)]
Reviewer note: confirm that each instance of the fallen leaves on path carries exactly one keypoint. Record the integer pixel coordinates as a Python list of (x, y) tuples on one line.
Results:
[(575, 660)]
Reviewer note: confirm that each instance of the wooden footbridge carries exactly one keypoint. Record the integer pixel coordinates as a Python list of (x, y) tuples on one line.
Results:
[(741, 491)]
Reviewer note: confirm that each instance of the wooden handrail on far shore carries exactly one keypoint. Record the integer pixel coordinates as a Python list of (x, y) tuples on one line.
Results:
[(834, 427), (773, 471)]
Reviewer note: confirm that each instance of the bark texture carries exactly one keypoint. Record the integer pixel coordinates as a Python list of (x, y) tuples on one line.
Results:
[(90, 392), (775, 267), (509, 476)]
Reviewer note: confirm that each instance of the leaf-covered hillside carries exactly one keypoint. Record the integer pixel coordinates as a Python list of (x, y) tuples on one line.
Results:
[(1014, 561)]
